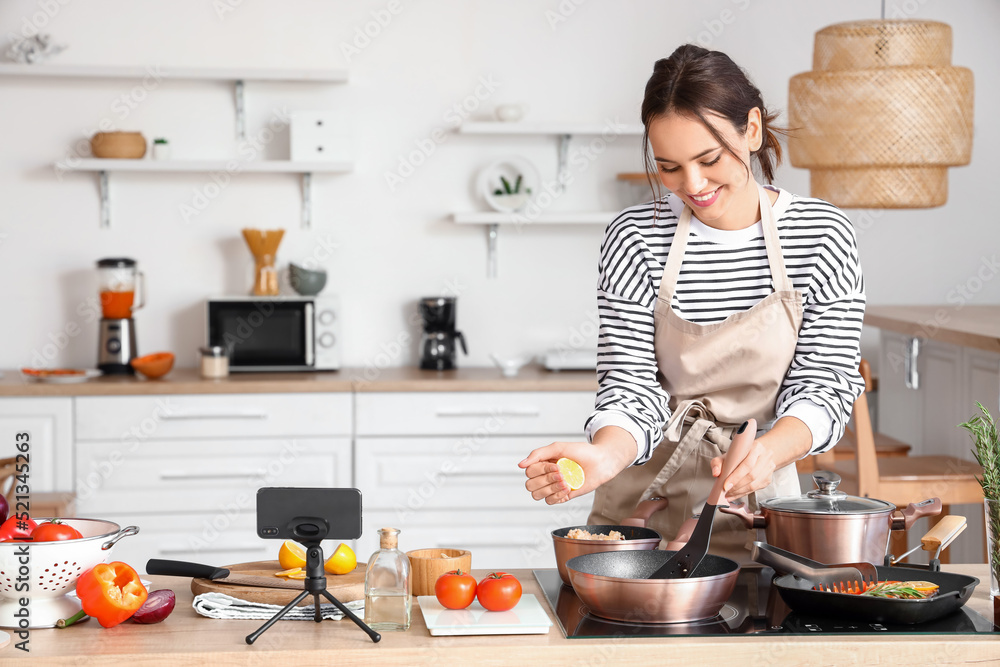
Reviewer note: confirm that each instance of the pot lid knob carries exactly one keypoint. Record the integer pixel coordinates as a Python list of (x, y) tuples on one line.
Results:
[(827, 486)]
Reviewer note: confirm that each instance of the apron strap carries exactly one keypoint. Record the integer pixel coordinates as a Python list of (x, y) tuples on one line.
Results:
[(775, 259), (675, 257)]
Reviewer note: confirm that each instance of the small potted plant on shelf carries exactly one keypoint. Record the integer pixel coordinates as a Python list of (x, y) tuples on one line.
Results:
[(161, 149), (511, 197), (983, 429)]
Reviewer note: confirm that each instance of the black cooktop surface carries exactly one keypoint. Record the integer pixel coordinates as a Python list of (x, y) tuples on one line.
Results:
[(755, 608)]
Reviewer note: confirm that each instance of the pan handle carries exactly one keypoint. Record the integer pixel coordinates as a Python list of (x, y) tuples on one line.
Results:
[(644, 510), (903, 520), (737, 508)]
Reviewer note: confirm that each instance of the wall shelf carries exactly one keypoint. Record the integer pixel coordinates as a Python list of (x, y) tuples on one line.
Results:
[(235, 75), (233, 166), (493, 220)]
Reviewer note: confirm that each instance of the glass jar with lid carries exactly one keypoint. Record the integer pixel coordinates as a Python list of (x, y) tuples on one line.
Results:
[(214, 362)]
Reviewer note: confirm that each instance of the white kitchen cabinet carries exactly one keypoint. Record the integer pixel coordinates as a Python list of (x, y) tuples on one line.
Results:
[(442, 467), (185, 469), (952, 379), (49, 424)]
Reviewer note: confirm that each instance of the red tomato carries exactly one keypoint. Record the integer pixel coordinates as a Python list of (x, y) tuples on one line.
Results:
[(455, 589), (11, 530), (499, 591), (54, 530)]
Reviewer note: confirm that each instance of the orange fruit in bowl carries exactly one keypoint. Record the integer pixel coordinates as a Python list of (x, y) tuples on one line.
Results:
[(154, 365)]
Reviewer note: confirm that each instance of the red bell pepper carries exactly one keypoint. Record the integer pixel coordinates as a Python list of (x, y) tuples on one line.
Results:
[(111, 592)]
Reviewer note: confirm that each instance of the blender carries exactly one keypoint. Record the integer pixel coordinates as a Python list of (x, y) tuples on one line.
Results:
[(119, 279)]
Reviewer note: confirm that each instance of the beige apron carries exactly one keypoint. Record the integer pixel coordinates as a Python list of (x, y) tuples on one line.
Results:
[(717, 375)]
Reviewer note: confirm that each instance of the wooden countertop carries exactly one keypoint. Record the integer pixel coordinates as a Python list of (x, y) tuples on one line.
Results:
[(968, 326), (188, 639), (188, 381)]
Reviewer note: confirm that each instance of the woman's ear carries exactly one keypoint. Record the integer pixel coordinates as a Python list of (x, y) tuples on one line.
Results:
[(754, 134)]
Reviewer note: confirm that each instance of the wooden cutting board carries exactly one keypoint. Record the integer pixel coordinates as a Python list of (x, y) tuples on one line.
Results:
[(344, 587)]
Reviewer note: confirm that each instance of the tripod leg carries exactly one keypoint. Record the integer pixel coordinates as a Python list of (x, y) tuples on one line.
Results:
[(252, 637), (347, 612)]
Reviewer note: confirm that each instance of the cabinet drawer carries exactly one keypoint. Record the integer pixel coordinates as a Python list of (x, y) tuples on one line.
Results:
[(139, 418), (48, 422), (498, 539), (473, 413), (200, 476), (411, 474)]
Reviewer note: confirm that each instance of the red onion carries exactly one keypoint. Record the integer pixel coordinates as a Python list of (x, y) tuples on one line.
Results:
[(157, 607)]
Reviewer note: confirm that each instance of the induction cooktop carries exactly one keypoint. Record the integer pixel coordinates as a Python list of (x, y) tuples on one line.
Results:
[(755, 608)]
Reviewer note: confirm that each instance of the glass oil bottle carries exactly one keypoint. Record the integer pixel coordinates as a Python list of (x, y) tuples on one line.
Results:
[(387, 585)]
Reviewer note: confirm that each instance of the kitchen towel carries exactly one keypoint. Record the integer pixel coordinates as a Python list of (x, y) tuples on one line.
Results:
[(219, 605)]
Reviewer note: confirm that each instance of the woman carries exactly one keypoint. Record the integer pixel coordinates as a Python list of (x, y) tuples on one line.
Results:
[(722, 301)]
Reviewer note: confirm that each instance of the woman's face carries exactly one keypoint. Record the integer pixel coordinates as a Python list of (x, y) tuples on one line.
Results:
[(697, 168)]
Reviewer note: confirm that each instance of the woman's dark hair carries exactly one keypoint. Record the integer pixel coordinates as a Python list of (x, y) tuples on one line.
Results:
[(696, 82)]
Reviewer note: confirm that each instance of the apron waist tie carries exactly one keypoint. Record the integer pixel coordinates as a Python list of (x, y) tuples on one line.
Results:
[(690, 423)]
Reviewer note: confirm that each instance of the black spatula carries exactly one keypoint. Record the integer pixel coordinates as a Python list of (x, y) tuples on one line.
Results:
[(687, 558)]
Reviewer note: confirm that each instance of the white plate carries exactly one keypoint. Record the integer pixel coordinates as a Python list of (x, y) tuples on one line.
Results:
[(88, 373), (509, 168), (527, 618)]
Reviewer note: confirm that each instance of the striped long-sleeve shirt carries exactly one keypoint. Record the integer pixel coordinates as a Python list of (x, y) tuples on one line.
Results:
[(725, 272)]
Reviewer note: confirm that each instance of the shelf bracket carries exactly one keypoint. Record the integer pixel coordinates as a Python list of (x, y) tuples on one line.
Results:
[(241, 114), (492, 231), (562, 172), (105, 200), (307, 179)]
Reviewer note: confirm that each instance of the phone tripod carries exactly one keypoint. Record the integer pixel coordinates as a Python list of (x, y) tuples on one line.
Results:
[(315, 585)]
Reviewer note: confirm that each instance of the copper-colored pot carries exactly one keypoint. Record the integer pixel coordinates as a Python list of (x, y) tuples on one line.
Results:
[(637, 537), (614, 585), (829, 526)]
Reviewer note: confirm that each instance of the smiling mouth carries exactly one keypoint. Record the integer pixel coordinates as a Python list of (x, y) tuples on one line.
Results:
[(707, 199), (704, 197)]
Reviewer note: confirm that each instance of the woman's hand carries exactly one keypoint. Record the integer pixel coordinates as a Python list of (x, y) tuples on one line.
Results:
[(787, 441), (609, 455), (752, 474)]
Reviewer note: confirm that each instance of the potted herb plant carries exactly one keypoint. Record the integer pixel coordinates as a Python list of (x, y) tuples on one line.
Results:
[(983, 429), (511, 197)]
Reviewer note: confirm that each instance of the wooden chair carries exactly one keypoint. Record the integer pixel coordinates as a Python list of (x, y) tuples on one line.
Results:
[(845, 450), (902, 480)]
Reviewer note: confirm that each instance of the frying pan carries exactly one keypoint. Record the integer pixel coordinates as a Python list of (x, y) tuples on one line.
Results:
[(617, 584), (954, 591)]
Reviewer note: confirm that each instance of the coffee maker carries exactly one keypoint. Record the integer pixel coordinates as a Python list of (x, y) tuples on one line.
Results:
[(116, 342), (437, 344)]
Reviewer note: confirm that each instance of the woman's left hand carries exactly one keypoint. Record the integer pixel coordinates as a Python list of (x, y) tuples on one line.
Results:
[(752, 474)]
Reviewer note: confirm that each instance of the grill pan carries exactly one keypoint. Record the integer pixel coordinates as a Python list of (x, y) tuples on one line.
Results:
[(955, 590)]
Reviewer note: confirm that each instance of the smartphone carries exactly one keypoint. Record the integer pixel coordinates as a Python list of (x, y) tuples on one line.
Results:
[(308, 514)]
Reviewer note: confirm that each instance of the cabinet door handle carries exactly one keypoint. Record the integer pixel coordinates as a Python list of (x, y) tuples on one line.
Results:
[(178, 474), (480, 473), (239, 414), (480, 412), (911, 376), (166, 551)]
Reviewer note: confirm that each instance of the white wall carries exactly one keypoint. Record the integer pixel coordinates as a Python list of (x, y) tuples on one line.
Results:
[(391, 247)]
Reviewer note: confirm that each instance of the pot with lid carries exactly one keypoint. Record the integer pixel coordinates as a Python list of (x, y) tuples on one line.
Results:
[(830, 526)]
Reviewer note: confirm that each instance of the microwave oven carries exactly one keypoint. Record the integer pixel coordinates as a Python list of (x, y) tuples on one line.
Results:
[(283, 333)]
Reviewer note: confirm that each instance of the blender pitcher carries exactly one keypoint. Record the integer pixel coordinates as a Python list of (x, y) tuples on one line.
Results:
[(119, 280)]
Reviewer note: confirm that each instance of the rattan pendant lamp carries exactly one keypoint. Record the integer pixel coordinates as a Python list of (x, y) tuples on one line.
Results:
[(882, 115)]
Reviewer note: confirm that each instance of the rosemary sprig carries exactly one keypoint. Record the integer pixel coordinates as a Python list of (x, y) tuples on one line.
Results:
[(896, 589), (983, 429)]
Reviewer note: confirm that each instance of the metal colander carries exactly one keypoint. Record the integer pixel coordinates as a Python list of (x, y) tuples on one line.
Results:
[(52, 569)]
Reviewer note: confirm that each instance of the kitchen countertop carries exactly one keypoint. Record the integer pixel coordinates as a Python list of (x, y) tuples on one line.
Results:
[(968, 326), (404, 379), (186, 638)]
